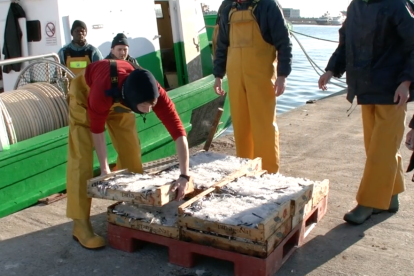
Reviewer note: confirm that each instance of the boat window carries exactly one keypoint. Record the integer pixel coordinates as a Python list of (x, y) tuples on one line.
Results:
[(158, 11), (34, 32)]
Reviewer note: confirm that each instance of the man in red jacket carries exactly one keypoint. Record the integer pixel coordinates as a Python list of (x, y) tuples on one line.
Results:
[(106, 93)]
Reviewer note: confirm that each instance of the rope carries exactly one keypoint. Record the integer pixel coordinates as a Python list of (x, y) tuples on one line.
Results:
[(318, 38), (33, 110), (316, 67)]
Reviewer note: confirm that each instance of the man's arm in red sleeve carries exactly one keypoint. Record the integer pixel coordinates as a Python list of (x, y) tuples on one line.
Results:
[(98, 110), (166, 112)]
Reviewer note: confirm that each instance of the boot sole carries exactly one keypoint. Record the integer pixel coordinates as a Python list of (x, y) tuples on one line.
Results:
[(89, 248), (356, 223), (393, 211)]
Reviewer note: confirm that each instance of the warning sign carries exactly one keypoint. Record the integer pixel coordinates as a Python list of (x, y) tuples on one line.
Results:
[(50, 31)]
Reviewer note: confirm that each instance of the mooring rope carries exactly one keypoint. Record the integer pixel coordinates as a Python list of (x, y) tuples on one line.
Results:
[(318, 38), (316, 67), (32, 110)]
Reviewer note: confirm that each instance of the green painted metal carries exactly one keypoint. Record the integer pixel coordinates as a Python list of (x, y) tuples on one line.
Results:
[(184, 71), (210, 20), (152, 62), (181, 68), (36, 168), (206, 57)]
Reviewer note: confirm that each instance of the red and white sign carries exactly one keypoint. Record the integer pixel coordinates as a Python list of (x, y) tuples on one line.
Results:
[(50, 31)]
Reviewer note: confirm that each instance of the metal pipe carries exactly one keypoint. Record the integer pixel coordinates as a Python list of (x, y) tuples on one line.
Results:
[(23, 59)]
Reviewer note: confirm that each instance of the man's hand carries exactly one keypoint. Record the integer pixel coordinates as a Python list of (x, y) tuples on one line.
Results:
[(280, 85), (324, 79), (217, 87), (402, 93), (409, 140), (180, 185), (105, 171)]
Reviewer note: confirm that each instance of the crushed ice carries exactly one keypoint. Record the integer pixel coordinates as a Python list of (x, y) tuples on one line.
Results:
[(247, 201), (206, 168)]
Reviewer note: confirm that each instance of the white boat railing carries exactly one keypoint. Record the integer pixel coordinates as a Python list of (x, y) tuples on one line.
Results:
[(29, 58)]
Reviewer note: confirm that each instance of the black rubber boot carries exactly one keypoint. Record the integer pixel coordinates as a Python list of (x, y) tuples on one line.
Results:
[(358, 215), (394, 206)]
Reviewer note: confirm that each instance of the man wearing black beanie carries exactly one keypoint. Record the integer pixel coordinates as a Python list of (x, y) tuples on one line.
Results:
[(96, 99), (120, 49), (78, 54)]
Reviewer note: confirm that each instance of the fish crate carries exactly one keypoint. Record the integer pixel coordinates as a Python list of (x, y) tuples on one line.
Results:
[(320, 191), (239, 245), (301, 199), (258, 233), (154, 188), (155, 191), (275, 196), (156, 220), (301, 208)]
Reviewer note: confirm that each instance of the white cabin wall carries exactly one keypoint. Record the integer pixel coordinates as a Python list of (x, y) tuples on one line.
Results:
[(135, 18), (42, 10)]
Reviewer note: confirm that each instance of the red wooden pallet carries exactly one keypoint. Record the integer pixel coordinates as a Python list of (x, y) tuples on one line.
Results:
[(184, 253)]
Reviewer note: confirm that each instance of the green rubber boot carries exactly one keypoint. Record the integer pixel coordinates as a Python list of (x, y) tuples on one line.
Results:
[(394, 206), (358, 215)]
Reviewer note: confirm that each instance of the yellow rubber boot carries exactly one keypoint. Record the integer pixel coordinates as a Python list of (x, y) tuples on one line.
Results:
[(83, 233)]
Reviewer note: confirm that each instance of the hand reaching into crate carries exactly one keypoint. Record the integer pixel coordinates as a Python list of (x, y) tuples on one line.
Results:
[(180, 185)]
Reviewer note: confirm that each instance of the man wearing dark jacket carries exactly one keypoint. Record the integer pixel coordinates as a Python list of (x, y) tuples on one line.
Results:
[(120, 48), (376, 49), (250, 34)]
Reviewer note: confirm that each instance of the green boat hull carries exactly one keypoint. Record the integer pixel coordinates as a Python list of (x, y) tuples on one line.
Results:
[(36, 168)]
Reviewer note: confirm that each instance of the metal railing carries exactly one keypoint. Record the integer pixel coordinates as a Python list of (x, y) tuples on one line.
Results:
[(24, 59)]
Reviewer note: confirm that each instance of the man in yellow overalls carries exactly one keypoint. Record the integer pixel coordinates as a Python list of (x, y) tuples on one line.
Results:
[(250, 33), (376, 50), (98, 97), (78, 54)]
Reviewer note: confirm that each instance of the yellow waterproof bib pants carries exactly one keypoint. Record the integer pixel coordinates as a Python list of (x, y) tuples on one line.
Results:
[(77, 64), (251, 92), (384, 174), (123, 133)]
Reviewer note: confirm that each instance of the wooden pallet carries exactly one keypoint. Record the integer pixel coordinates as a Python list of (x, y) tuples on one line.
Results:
[(184, 253)]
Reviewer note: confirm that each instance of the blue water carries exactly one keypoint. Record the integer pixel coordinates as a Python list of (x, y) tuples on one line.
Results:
[(302, 83)]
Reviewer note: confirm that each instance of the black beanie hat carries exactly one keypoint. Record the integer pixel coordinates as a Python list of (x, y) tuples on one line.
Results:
[(78, 23), (139, 87), (120, 39)]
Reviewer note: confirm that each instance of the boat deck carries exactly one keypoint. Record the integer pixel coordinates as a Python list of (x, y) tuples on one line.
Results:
[(318, 141)]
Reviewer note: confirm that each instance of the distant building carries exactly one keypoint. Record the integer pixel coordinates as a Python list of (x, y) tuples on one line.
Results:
[(291, 13)]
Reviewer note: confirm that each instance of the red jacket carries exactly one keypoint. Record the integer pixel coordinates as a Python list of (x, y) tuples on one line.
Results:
[(98, 79)]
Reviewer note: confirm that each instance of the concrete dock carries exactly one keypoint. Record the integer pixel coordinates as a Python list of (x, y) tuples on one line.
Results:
[(318, 141)]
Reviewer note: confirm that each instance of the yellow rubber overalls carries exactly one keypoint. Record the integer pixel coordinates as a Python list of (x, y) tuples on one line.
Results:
[(251, 92), (123, 133), (384, 173), (77, 64)]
